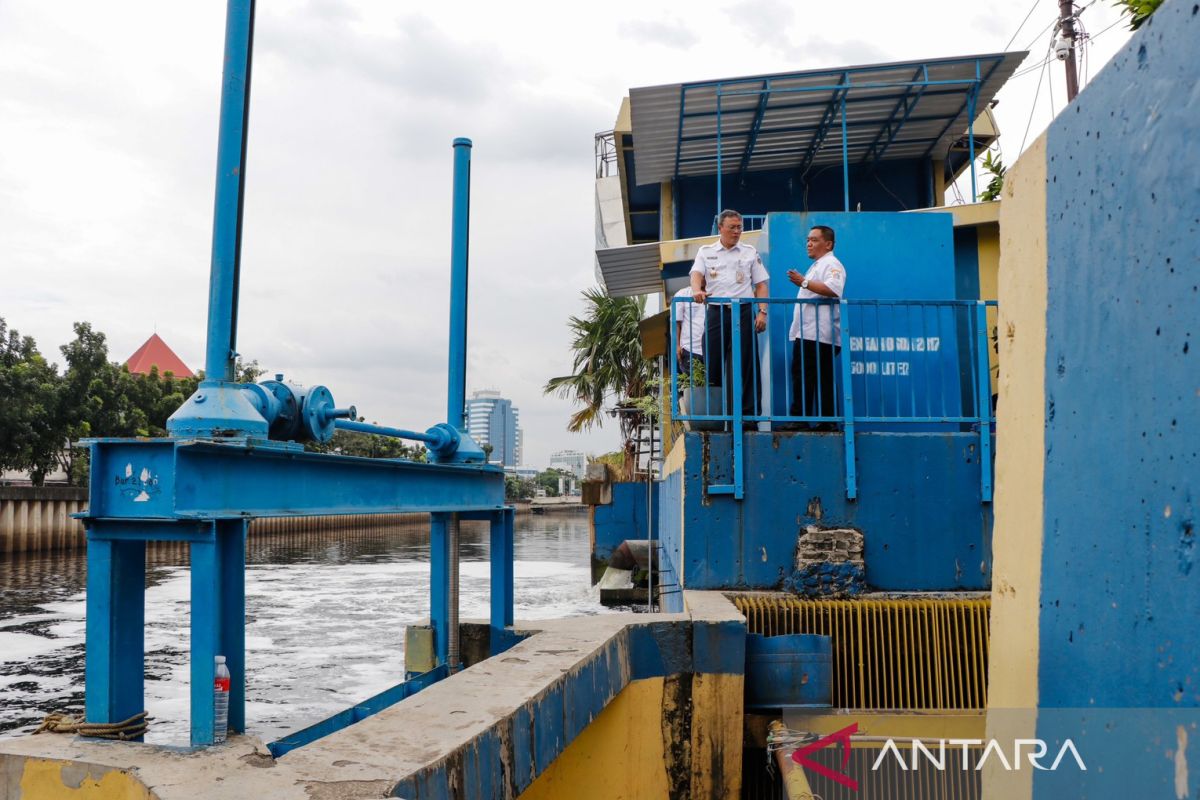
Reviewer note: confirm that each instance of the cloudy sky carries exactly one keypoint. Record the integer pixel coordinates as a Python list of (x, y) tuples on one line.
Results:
[(108, 122)]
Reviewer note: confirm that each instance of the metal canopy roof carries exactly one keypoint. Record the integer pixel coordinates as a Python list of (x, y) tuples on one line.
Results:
[(795, 120), (629, 271)]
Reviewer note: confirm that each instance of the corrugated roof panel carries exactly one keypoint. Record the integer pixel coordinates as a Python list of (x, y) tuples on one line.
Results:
[(630, 271), (791, 118)]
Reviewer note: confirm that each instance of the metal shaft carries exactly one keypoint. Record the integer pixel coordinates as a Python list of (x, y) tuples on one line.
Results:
[(452, 646), (456, 397), (231, 182)]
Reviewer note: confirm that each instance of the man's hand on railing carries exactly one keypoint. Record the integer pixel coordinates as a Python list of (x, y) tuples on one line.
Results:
[(699, 295), (760, 322)]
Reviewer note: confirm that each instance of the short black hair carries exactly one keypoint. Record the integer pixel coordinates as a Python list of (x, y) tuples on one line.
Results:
[(826, 232)]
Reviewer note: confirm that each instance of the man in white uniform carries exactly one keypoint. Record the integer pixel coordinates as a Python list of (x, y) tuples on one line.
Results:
[(816, 331), (689, 332), (729, 268)]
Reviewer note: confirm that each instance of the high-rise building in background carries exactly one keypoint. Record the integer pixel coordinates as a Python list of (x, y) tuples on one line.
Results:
[(571, 460), (492, 419)]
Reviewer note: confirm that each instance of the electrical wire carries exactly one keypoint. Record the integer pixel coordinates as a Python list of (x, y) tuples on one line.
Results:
[(1036, 94), (1022, 25)]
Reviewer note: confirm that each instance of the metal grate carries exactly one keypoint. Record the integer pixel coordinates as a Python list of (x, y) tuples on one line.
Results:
[(918, 654)]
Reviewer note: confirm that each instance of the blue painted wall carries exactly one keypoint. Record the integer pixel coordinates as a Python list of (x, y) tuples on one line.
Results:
[(1120, 582), (624, 518), (919, 508), (887, 257)]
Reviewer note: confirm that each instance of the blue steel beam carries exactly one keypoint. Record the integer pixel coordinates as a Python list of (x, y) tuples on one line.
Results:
[(967, 101), (756, 125), (115, 629), (902, 103), (220, 352), (817, 104), (165, 479), (865, 123), (831, 111)]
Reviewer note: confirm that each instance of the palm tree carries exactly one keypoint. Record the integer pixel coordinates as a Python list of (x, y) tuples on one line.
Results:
[(608, 364)]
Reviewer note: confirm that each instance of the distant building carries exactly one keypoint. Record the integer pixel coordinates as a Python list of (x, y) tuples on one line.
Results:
[(492, 419), (572, 461), (156, 353)]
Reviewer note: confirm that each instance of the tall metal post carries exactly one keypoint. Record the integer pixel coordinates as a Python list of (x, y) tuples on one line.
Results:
[(116, 608), (1066, 16), (220, 354), (502, 600), (845, 154), (456, 397)]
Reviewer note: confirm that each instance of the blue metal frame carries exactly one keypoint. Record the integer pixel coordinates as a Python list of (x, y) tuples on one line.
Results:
[(912, 92), (218, 470), (981, 419)]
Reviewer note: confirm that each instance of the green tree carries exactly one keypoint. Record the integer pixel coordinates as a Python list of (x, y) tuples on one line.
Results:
[(608, 366), (516, 488), (30, 439), (995, 168), (548, 480), (1138, 11)]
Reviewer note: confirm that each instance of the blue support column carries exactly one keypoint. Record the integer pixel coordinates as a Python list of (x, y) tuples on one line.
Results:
[(439, 584), (983, 401), (231, 181), (502, 576), (116, 613), (845, 156), (848, 405), (738, 391), (456, 395), (218, 625)]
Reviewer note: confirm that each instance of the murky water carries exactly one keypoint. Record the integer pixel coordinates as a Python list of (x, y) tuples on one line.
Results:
[(326, 614)]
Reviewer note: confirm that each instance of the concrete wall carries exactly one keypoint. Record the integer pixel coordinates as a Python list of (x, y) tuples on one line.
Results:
[(623, 518), (919, 508), (37, 519), (1096, 598)]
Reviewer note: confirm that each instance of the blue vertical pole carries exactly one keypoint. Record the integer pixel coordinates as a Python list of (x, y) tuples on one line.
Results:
[(116, 609), (717, 216), (501, 576), (847, 404), (738, 389), (439, 585), (456, 397), (983, 401), (845, 153), (231, 182), (971, 99)]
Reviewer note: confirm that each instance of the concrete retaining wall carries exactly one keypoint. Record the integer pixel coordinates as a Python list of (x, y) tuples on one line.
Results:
[(35, 519)]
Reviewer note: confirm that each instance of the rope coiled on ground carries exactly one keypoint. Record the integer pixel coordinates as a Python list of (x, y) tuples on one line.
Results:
[(125, 730)]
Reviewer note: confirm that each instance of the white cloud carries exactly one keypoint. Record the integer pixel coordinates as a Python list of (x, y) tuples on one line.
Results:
[(108, 130)]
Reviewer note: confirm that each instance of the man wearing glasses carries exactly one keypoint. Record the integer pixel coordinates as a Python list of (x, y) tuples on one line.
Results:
[(729, 268)]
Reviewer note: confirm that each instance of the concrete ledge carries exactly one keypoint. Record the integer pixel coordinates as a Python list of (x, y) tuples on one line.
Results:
[(487, 732)]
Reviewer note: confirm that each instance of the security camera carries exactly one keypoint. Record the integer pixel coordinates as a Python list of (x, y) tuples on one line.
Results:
[(1062, 48)]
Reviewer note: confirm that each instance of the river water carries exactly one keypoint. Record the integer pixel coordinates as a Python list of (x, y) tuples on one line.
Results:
[(325, 612)]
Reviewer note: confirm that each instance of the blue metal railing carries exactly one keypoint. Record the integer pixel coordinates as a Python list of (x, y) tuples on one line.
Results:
[(750, 222), (835, 365)]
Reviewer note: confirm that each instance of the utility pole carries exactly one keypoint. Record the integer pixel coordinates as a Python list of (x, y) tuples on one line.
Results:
[(1066, 15)]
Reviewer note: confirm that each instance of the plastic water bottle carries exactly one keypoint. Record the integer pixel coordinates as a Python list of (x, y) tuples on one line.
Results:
[(221, 701)]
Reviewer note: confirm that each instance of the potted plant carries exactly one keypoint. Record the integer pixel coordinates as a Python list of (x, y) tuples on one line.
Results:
[(697, 397)]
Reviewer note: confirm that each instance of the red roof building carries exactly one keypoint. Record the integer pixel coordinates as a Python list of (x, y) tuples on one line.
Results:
[(155, 353)]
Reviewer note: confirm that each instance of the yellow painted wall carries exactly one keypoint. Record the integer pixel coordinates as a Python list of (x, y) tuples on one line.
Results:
[(44, 779), (1017, 534), (988, 238), (619, 756), (623, 753)]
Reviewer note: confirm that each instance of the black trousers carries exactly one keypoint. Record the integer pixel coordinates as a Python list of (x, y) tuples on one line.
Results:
[(718, 352), (813, 377), (685, 361)]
